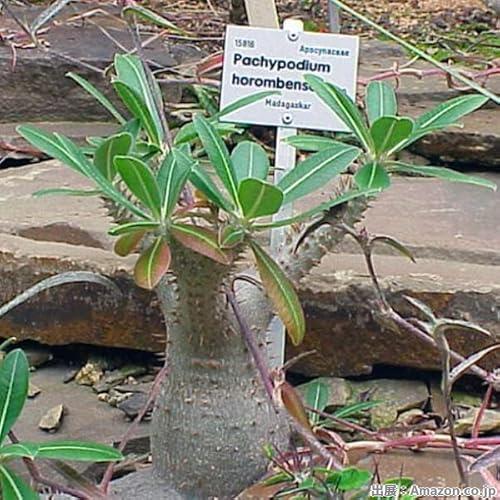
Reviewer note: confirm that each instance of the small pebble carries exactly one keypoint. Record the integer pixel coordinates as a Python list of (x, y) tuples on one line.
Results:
[(52, 420)]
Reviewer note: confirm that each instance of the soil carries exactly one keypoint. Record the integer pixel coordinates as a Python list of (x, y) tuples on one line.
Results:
[(452, 27)]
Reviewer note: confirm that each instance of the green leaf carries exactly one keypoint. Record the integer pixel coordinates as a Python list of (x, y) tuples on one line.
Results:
[(349, 196), (127, 243), (349, 479), (14, 375), (201, 240), (203, 182), (68, 153), (138, 108), (343, 107), (245, 101), (152, 264), (131, 227), (259, 198), (372, 176), (152, 17), (145, 151), (282, 294), (389, 133), (380, 100), (397, 245), (116, 145), (187, 133), (172, 177), (312, 143), (354, 409), (231, 237), (278, 478), (98, 95), (423, 308), (250, 161), (205, 97), (131, 72), (13, 487), (49, 144), (218, 155), (316, 396), (468, 362), (140, 181), (63, 450), (446, 174), (132, 127), (447, 113), (316, 171), (66, 192)]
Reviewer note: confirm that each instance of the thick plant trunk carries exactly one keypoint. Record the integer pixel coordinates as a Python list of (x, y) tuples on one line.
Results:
[(212, 417)]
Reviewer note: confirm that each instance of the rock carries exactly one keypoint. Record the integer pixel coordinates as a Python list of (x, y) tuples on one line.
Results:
[(414, 417), (138, 387), (466, 400), (395, 397), (103, 396), (490, 423), (115, 398), (33, 90), (52, 420), (427, 468), (338, 394), (134, 404), (33, 390), (90, 374), (452, 229), (41, 237), (70, 376), (461, 400), (37, 355), (118, 376)]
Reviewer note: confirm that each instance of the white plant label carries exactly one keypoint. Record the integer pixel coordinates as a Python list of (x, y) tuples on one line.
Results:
[(261, 59)]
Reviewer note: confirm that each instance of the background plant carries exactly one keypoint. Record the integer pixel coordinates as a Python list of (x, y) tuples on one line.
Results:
[(384, 134), (14, 379)]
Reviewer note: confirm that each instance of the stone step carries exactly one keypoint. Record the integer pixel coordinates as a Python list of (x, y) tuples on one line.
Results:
[(452, 229), (34, 85)]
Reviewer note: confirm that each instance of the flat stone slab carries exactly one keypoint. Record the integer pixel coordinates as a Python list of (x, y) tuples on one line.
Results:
[(451, 229), (36, 87)]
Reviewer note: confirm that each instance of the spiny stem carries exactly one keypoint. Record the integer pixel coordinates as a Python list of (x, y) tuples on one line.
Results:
[(153, 393), (260, 364)]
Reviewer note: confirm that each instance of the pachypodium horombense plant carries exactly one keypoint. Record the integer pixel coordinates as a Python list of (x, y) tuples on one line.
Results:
[(192, 208)]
